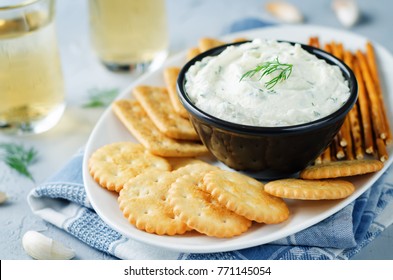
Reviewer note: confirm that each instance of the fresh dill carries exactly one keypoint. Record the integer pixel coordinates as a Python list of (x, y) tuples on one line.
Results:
[(18, 158), (101, 97), (270, 67)]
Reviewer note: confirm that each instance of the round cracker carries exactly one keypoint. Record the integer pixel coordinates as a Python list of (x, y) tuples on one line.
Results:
[(114, 164), (195, 168), (310, 189), (245, 196), (179, 162), (343, 168), (143, 201), (199, 211)]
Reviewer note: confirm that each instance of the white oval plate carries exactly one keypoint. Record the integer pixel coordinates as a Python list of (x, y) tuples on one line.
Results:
[(303, 213)]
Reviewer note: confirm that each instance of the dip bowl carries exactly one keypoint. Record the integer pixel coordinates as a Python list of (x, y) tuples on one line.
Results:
[(267, 152)]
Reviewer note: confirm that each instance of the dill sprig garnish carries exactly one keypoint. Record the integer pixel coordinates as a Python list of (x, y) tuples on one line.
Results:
[(18, 158), (268, 68), (101, 97)]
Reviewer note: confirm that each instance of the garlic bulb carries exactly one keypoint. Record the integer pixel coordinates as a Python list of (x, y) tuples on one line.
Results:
[(284, 11), (40, 247), (347, 12), (3, 197)]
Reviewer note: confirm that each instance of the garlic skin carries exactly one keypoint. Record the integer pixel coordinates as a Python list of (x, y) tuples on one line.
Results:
[(284, 11), (40, 247), (3, 197), (347, 12)]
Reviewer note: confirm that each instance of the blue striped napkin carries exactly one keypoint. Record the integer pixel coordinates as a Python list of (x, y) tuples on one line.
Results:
[(62, 201)]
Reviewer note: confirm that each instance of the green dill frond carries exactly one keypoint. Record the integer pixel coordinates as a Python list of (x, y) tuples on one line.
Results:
[(268, 68)]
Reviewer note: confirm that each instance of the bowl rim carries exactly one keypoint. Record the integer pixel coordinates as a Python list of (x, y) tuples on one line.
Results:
[(263, 130)]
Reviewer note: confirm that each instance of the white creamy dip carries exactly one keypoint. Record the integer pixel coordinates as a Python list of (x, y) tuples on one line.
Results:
[(313, 90)]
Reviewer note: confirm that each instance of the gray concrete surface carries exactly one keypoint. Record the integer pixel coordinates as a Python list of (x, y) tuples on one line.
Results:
[(188, 21)]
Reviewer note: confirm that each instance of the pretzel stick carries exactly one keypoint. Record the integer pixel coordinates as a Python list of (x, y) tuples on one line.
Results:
[(337, 50), (340, 50), (346, 130), (370, 54), (382, 152), (372, 62), (364, 110), (326, 156), (356, 132), (354, 123), (318, 160), (314, 41), (339, 151), (377, 121), (328, 48), (333, 151), (343, 142)]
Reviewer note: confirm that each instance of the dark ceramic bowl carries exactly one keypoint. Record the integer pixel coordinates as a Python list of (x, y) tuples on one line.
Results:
[(267, 152)]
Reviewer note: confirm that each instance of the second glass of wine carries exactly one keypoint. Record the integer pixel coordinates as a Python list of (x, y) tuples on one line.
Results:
[(129, 35)]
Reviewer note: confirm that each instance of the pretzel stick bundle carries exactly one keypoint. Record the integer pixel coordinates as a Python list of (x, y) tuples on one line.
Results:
[(366, 129), (378, 124), (372, 63), (376, 113), (363, 104)]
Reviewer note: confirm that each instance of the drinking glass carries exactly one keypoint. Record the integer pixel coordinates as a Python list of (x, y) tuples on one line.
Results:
[(129, 35), (31, 81)]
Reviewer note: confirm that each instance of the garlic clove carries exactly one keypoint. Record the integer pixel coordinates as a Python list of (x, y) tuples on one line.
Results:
[(3, 197), (40, 247), (284, 11), (347, 12)]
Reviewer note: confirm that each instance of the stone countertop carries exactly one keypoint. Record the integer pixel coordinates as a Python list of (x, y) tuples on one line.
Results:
[(189, 20)]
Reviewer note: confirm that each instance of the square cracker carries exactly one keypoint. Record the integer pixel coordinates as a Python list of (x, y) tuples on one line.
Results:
[(192, 52), (206, 43), (158, 107), (135, 119), (170, 76)]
